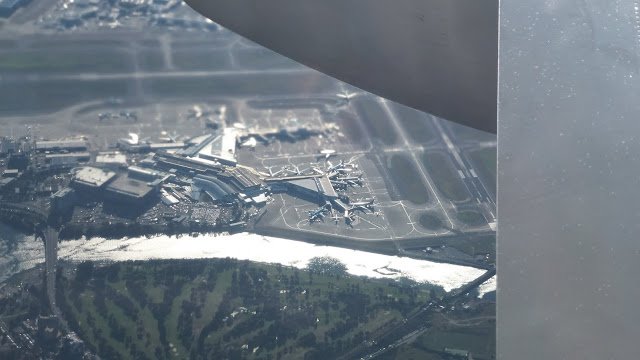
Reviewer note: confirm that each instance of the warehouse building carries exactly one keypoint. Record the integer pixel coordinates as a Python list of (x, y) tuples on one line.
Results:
[(213, 187), (91, 179), (221, 148), (129, 190), (67, 159), (112, 160), (311, 187), (242, 179), (63, 201), (59, 145)]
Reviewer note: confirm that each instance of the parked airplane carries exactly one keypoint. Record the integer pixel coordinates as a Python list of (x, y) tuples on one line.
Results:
[(346, 95), (335, 218), (335, 167), (168, 138), (328, 153), (350, 178), (317, 214), (250, 143), (364, 202)]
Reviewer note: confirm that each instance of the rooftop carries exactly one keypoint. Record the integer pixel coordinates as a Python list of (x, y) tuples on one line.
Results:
[(93, 177), (124, 185), (61, 144), (324, 185), (63, 192), (221, 148), (111, 158)]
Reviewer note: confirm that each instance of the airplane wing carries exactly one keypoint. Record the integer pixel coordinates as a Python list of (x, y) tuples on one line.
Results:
[(437, 56)]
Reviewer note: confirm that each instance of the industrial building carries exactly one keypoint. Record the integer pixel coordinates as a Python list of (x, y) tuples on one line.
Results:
[(213, 187), (90, 178), (314, 187), (59, 145), (185, 165), (211, 149), (167, 198), (131, 190), (12, 173), (67, 158), (7, 146), (221, 148), (142, 174), (241, 179), (113, 160), (63, 200)]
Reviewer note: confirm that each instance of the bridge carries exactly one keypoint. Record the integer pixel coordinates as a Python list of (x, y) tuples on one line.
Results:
[(43, 225)]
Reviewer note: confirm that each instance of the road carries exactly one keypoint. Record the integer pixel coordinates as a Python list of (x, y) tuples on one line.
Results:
[(40, 217), (468, 174), (418, 323)]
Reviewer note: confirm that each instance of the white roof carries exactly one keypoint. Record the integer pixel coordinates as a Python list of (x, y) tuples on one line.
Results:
[(93, 176)]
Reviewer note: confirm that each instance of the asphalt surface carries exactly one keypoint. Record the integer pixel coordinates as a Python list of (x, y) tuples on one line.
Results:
[(294, 93)]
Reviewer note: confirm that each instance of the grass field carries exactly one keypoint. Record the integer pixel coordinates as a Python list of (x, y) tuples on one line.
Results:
[(470, 245), (259, 58), (430, 221), (59, 43), (54, 95), (445, 176), (414, 123), (8, 44), (68, 61), (473, 218), (201, 60), (453, 331), (241, 85), (407, 180), (213, 308), (376, 120), (486, 161), (465, 133), (151, 60)]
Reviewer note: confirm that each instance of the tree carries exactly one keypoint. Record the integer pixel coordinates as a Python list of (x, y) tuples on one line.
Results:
[(84, 272)]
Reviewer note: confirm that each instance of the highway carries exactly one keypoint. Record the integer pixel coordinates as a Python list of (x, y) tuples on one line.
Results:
[(468, 174), (150, 74), (416, 324), (50, 237)]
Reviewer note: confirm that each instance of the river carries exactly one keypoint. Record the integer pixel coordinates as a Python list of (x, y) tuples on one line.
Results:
[(20, 252)]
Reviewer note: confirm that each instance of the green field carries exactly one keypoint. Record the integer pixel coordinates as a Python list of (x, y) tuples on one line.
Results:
[(470, 245), (352, 129), (376, 121), (150, 60), (465, 133), (486, 161), (445, 176), (240, 85), (45, 96), (217, 309), (407, 180), (414, 123), (61, 43), (472, 218), (257, 59), (8, 44), (430, 221), (68, 61), (201, 60), (454, 331)]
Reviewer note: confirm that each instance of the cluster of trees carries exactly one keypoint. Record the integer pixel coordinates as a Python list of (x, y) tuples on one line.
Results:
[(327, 265), (279, 316)]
